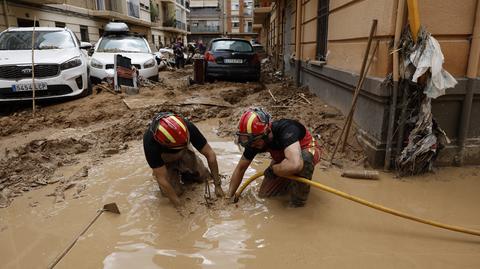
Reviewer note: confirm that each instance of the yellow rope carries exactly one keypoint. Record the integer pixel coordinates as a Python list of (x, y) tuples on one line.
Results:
[(363, 202)]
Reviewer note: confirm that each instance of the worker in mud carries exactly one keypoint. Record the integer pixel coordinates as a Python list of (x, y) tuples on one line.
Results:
[(293, 150), (166, 144)]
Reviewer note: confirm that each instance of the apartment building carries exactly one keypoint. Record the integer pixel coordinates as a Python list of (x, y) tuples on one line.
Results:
[(86, 18), (321, 44), (206, 20), (160, 21), (169, 21), (238, 18)]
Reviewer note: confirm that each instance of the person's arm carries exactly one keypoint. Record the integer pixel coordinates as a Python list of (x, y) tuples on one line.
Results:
[(293, 162), (161, 176), (237, 175), (208, 152)]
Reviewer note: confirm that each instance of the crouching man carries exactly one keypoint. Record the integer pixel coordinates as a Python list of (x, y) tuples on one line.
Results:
[(166, 145), (293, 150)]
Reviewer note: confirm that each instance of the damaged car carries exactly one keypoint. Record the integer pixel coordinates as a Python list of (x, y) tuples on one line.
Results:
[(117, 39), (60, 67), (232, 58)]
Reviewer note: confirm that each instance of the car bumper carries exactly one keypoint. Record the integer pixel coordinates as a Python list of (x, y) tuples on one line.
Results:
[(70, 82), (98, 75), (222, 70)]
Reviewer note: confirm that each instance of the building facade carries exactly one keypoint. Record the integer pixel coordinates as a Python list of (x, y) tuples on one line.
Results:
[(321, 44), (206, 20), (238, 18), (160, 21), (169, 21)]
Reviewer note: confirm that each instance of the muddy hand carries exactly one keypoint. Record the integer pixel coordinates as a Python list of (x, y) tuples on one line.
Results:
[(218, 191), (231, 199)]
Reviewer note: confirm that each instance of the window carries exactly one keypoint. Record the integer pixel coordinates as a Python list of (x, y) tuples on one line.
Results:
[(235, 24), (231, 45), (26, 23), (235, 5), (322, 29), (44, 40), (130, 44), (60, 24), (133, 8), (84, 33), (101, 4)]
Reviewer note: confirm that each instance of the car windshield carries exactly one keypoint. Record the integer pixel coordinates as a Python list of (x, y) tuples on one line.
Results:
[(123, 44), (231, 45), (44, 40)]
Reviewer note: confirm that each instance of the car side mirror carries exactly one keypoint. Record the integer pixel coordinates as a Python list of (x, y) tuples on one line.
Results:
[(90, 51), (85, 45)]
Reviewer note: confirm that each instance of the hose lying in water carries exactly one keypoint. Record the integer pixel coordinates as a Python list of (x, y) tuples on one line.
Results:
[(361, 201)]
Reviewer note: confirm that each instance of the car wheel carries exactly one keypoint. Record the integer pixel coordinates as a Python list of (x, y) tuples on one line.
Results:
[(88, 90), (209, 79)]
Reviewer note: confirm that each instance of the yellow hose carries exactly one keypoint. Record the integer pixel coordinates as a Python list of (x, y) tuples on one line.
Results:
[(363, 202)]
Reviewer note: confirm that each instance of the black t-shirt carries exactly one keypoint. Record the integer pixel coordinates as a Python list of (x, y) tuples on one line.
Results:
[(153, 149), (285, 132)]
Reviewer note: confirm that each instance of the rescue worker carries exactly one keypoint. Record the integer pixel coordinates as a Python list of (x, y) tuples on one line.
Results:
[(293, 150), (166, 146)]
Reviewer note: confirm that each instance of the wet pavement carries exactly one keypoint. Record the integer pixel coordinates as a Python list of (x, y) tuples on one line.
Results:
[(329, 232)]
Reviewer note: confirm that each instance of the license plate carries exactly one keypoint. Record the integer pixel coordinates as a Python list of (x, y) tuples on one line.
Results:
[(41, 86), (233, 61)]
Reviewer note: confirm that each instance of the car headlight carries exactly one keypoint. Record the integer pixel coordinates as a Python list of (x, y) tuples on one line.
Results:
[(71, 63), (96, 64), (149, 63)]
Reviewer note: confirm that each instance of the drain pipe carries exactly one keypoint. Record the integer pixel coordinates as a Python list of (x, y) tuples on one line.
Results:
[(298, 39), (5, 14), (472, 72), (396, 76)]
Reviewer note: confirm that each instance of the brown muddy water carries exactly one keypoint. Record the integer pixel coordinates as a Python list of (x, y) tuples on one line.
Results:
[(329, 232)]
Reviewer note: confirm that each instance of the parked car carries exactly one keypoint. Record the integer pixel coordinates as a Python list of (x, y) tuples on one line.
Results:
[(118, 40), (231, 58), (60, 64), (260, 50)]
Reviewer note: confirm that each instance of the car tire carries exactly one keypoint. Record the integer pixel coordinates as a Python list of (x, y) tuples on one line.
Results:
[(88, 90), (209, 79)]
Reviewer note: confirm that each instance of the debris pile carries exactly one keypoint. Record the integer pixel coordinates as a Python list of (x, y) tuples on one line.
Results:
[(269, 74), (424, 79)]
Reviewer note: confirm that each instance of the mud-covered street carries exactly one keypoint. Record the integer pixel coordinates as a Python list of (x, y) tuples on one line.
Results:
[(58, 168)]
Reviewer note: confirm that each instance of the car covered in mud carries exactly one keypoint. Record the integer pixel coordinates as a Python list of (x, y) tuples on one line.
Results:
[(60, 64), (232, 58), (118, 40)]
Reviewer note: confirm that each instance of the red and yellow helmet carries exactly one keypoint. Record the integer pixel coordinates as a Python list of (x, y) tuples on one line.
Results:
[(170, 130), (254, 124)]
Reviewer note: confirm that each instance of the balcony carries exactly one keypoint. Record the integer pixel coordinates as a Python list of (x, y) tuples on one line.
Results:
[(171, 25), (261, 11), (205, 29), (263, 3), (180, 25)]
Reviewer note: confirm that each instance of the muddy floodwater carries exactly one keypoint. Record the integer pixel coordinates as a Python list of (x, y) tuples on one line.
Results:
[(329, 232)]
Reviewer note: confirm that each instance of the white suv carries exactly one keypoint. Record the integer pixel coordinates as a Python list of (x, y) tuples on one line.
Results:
[(61, 64), (118, 40)]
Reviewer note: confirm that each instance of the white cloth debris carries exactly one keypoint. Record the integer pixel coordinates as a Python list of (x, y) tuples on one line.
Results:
[(430, 57)]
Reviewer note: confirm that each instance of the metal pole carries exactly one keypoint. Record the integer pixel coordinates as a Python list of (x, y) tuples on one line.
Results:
[(396, 78), (348, 123), (33, 66), (472, 72)]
